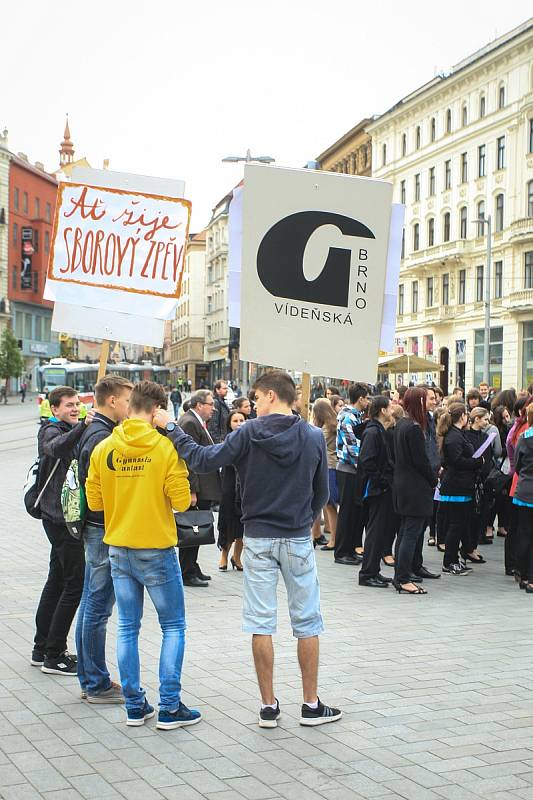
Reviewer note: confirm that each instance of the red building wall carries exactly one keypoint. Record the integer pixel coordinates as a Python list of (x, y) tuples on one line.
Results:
[(32, 199)]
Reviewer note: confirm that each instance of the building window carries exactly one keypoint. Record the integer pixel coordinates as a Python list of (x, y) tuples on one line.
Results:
[(480, 216), (479, 284), (417, 137), (402, 192), (531, 135), (481, 161), (431, 232), (495, 356), (429, 292), (464, 116), (27, 326), (448, 174), (464, 167), (462, 287), (417, 187), (433, 129), (401, 298), (48, 212), (446, 227), (15, 233), (403, 243), (498, 279), (46, 242), (530, 199), (416, 236), (384, 155), (528, 270), (446, 289), (25, 203), (404, 144), (414, 297), (499, 212), (463, 223), (432, 181), (501, 96), (482, 106), (37, 208), (14, 285), (500, 152), (448, 120)]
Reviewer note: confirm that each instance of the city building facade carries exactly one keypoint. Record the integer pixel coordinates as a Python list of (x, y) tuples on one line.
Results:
[(351, 154), (32, 199), (221, 350), (457, 150), (187, 341), (5, 314)]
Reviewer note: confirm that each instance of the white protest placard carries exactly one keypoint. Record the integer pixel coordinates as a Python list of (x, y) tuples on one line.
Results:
[(314, 263), (117, 256)]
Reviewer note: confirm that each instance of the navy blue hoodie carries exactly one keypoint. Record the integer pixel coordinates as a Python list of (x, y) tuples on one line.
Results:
[(282, 466)]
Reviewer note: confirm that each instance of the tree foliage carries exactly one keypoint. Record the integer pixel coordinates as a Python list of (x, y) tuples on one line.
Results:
[(11, 361)]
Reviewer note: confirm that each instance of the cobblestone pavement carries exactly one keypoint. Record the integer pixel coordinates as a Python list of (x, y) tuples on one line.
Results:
[(435, 690)]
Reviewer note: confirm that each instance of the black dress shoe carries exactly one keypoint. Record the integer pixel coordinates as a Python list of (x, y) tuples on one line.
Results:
[(416, 578), (425, 573), (351, 561), (383, 579), (203, 577), (194, 581), (321, 539), (374, 583)]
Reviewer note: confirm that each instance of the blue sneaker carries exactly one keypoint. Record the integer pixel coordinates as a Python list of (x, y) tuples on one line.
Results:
[(178, 719), (137, 716)]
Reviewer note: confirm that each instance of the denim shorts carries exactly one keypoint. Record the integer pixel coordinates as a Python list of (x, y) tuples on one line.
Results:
[(264, 559)]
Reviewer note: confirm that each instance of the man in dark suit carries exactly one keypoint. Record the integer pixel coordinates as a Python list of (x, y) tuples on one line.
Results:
[(205, 489), (218, 421)]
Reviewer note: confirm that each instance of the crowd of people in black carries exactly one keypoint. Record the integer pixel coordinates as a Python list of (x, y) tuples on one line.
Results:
[(408, 461)]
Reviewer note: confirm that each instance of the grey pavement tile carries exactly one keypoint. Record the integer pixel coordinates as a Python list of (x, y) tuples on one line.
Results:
[(223, 767), (113, 771), (181, 793), (203, 781), (94, 752), (158, 776), (137, 790), (403, 787), (93, 786), (10, 775), (15, 743), (63, 794), (252, 789), (28, 760), (47, 779), (22, 791), (71, 765)]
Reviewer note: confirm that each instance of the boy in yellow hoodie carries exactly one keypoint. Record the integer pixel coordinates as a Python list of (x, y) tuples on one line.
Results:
[(136, 479)]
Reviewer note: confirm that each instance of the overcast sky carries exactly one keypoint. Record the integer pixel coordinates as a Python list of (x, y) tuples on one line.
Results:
[(169, 87)]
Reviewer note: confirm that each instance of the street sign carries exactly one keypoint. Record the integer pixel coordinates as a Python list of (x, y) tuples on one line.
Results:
[(315, 248)]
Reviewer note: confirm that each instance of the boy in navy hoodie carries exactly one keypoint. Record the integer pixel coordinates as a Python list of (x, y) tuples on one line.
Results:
[(282, 466)]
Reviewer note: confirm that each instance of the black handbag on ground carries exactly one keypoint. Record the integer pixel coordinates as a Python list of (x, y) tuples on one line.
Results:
[(195, 527)]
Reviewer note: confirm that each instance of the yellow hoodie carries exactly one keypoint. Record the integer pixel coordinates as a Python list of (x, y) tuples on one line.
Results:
[(136, 478)]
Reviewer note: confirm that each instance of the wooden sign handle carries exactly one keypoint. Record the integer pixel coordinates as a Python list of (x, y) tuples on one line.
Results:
[(306, 395), (104, 358)]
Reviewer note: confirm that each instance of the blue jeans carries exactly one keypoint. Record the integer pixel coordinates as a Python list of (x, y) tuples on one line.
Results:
[(264, 559), (159, 571), (96, 606)]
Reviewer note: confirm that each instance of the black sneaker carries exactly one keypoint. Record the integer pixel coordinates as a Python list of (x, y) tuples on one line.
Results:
[(455, 569), (37, 658), (320, 715), (62, 665), (268, 717)]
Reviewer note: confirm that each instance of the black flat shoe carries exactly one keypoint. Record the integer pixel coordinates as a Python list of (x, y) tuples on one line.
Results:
[(425, 573), (373, 583), (327, 549), (203, 577), (236, 566), (383, 579), (350, 561), (224, 568), (415, 578), (194, 581), (479, 560), (321, 539)]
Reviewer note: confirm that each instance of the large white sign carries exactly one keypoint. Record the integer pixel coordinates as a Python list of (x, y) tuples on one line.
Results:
[(117, 257), (315, 248)]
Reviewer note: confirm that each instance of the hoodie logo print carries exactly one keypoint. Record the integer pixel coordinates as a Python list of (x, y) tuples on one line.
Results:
[(116, 462)]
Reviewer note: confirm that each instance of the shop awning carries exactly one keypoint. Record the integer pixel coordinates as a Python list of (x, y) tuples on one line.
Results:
[(408, 363)]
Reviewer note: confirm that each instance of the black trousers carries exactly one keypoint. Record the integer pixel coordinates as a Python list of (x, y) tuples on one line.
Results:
[(458, 521), (380, 521), (350, 520), (188, 556), (411, 530), (524, 543), (61, 594), (511, 540)]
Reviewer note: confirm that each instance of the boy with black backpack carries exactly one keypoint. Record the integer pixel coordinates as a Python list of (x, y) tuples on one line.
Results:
[(112, 396), (57, 440)]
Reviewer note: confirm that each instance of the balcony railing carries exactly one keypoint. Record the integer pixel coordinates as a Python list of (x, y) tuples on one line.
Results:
[(522, 228), (521, 298)]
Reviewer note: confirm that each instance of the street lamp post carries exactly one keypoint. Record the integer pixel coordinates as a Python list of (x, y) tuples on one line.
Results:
[(486, 342)]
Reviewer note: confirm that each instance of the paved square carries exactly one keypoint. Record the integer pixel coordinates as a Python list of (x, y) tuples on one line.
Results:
[(435, 690)]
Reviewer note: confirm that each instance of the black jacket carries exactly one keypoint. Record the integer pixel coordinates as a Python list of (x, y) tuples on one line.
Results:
[(56, 440), (175, 397), (432, 448), (476, 439), (460, 469), (414, 478), (99, 429), (207, 486), (218, 424), (375, 460)]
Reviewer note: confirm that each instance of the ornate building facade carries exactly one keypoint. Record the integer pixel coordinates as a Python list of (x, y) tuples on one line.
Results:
[(351, 154), (456, 150)]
